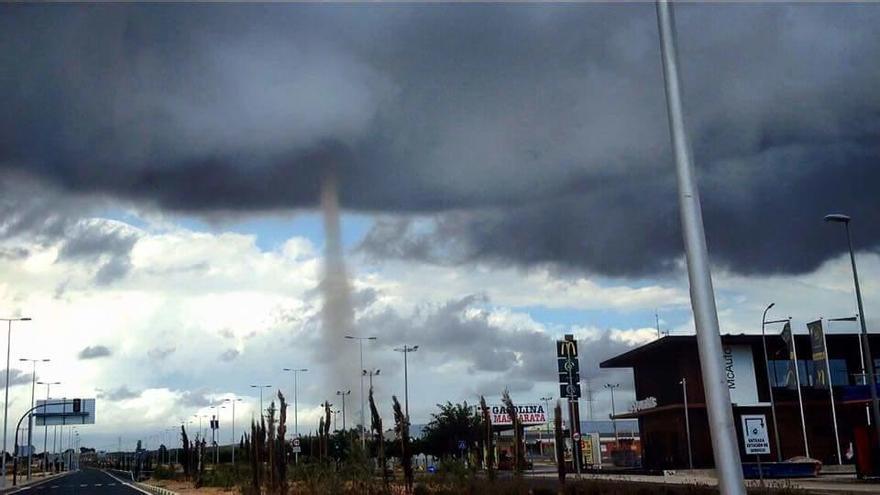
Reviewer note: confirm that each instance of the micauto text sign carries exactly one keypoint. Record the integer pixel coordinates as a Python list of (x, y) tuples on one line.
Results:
[(529, 414)]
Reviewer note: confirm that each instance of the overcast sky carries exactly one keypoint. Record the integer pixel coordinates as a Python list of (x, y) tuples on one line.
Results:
[(505, 177)]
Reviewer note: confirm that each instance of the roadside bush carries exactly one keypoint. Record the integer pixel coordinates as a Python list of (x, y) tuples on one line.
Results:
[(163, 472), (225, 476)]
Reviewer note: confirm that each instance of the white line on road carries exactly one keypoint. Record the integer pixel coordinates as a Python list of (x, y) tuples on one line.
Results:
[(126, 484)]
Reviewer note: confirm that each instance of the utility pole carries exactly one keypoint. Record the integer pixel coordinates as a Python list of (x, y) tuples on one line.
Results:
[(718, 407)]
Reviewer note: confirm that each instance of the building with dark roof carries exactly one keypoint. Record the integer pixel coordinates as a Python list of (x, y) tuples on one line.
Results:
[(659, 367)]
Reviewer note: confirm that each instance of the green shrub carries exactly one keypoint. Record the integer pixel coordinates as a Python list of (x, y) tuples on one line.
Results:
[(163, 472)]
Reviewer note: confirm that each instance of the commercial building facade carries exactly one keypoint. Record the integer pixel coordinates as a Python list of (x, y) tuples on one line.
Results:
[(659, 367)]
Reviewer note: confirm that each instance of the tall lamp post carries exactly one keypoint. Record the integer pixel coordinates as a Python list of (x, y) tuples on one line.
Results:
[(611, 387), (866, 357), (6, 399), (295, 372), (406, 349), (719, 410), (31, 414), (233, 401), (360, 341), (343, 394), (371, 373), (764, 324), (46, 427), (261, 387)]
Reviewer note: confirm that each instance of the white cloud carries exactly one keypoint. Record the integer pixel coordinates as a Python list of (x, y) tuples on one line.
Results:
[(189, 298)]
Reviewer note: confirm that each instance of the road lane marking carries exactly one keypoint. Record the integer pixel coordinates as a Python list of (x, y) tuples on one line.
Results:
[(129, 485)]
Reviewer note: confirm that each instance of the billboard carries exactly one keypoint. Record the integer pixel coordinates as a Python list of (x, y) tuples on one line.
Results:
[(65, 412), (529, 414)]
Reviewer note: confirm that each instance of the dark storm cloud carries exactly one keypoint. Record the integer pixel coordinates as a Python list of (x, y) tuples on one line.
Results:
[(534, 133), (94, 352), (17, 377)]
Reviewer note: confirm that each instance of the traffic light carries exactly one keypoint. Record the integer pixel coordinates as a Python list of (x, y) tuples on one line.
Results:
[(77, 405)]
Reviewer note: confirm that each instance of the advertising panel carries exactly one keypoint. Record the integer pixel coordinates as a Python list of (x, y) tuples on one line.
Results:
[(529, 414)]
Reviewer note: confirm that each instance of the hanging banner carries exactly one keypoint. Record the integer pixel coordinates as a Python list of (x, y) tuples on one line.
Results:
[(790, 372), (821, 377)]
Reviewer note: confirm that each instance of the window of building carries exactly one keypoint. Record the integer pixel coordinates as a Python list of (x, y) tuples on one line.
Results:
[(839, 372), (779, 369)]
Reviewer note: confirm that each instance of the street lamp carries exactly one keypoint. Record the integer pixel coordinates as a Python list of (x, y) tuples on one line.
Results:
[(406, 350), (343, 394), (866, 358), (46, 426), (335, 414), (233, 401), (360, 341), (371, 374), (611, 387), (6, 400), (764, 324), (31, 414), (295, 372), (261, 387)]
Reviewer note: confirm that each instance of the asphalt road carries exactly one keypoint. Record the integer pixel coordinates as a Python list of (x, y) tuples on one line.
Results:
[(85, 481)]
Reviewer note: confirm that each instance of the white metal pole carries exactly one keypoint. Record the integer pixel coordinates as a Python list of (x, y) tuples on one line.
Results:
[(363, 436), (831, 396), (295, 407), (868, 360), (31, 418), (406, 382), (233, 431), (797, 377), (864, 378), (718, 407), (770, 384), (687, 422), (6, 401), (46, 433)]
